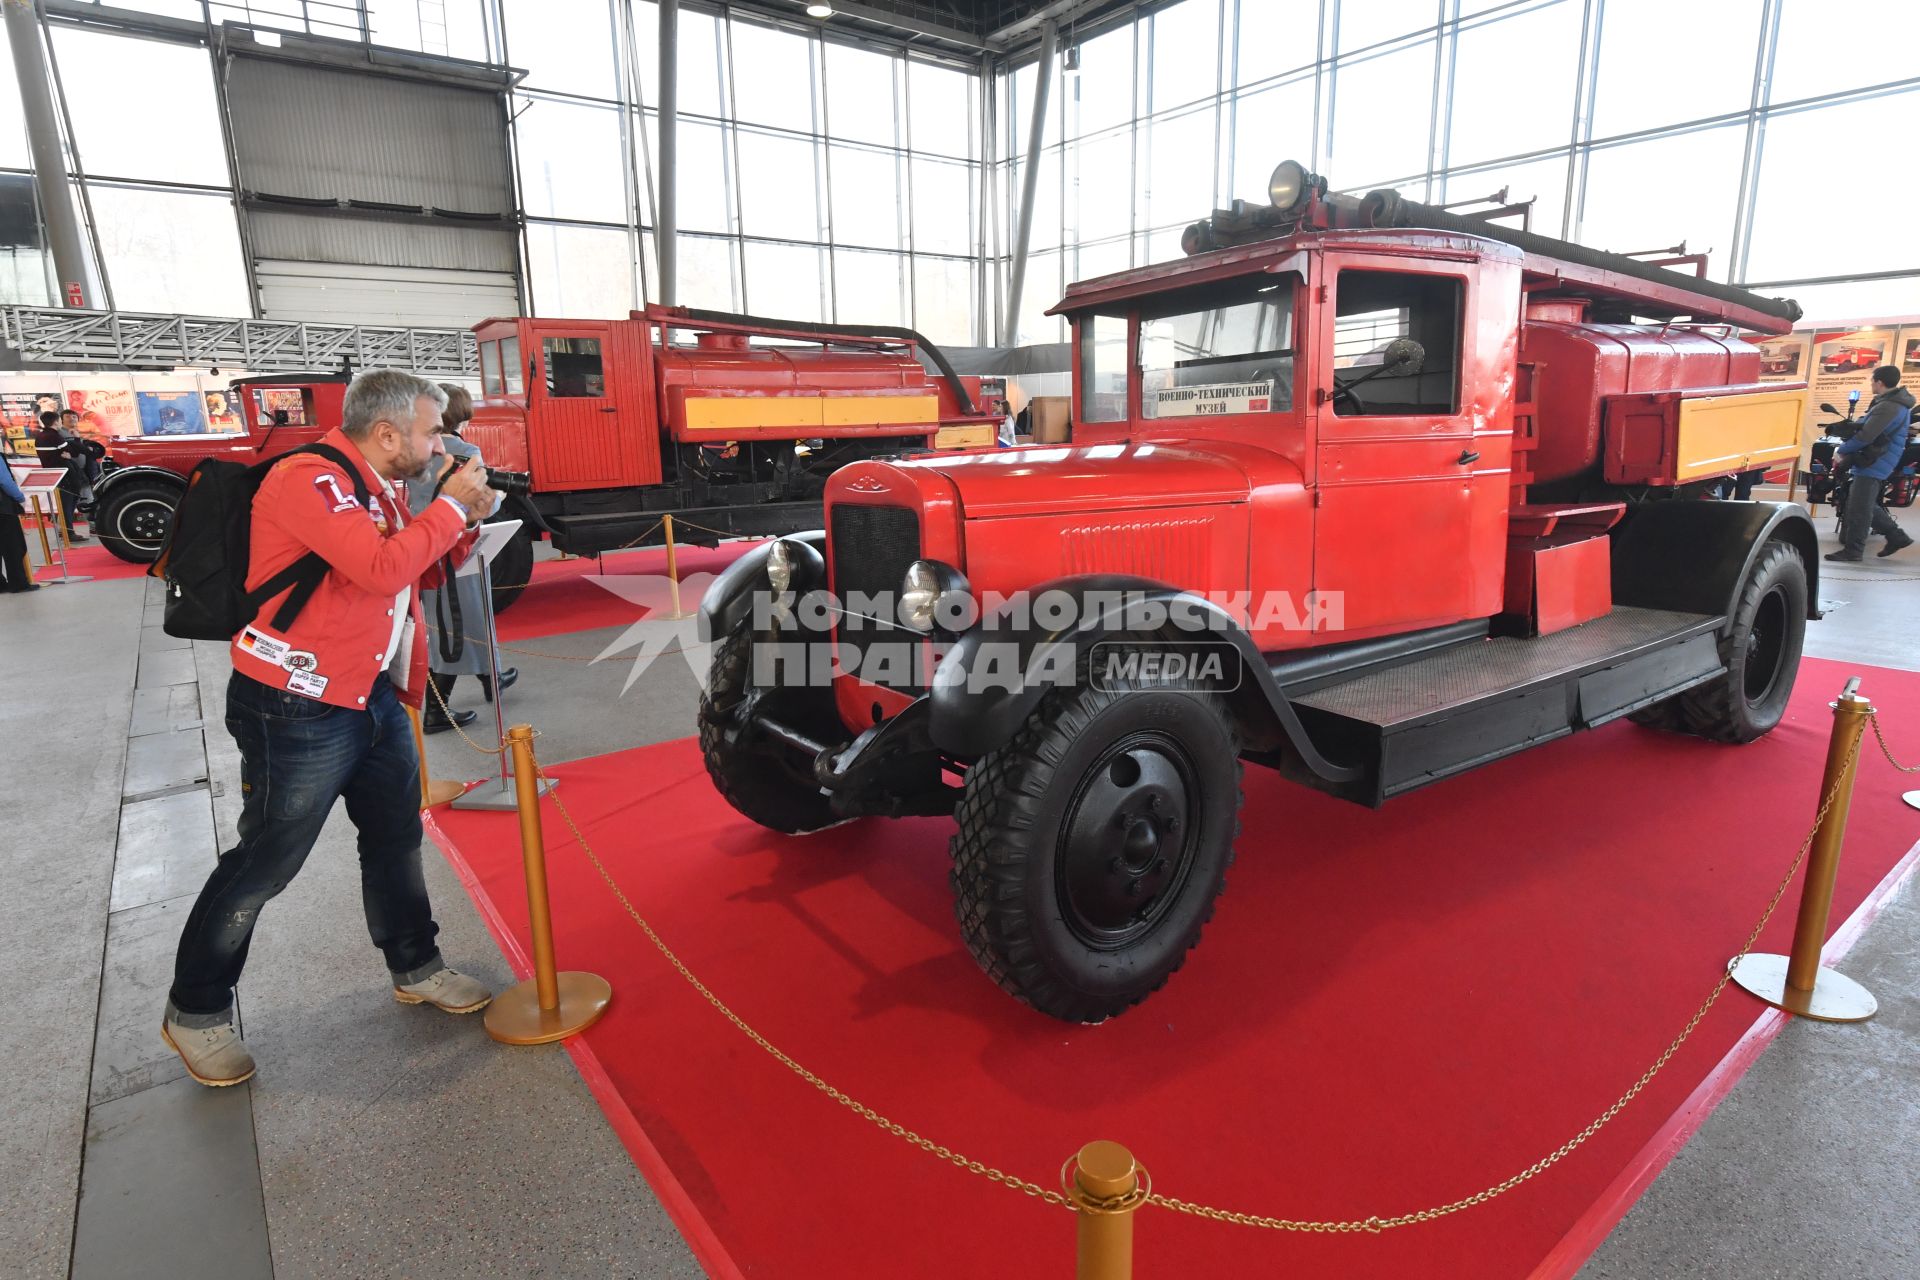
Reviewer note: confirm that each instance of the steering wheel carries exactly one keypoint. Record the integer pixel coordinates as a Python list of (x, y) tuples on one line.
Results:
[(1345, 391)]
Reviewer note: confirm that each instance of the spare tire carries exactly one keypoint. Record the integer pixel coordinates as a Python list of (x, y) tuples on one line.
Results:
[(133, 518)]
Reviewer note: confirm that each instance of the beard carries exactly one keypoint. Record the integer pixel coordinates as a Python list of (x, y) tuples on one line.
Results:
[(420, 468)]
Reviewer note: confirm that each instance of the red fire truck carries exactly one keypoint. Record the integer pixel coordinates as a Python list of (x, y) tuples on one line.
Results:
[(1364, 490), (597, 428), (144, 476)]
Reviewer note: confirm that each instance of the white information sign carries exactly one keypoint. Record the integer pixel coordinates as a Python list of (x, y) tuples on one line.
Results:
[(1207, 401)]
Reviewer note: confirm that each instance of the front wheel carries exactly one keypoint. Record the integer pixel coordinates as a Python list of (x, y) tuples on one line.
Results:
[(771, 789), (133, 519), (1092, 846), (1761, 650)]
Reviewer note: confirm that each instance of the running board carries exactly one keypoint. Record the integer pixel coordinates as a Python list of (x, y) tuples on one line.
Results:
[(1474, 702)]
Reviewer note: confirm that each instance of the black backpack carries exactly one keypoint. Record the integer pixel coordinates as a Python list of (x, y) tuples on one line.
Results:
[(206, 553)]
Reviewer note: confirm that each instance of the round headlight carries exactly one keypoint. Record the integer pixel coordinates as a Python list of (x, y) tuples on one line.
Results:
[(919, 595), (1288, 185), (779, 566)]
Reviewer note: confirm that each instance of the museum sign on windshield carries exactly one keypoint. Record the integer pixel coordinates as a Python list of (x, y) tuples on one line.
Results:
[(1196, 402)]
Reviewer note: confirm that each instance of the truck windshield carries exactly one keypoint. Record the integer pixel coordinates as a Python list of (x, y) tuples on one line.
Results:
[(1233, 354)]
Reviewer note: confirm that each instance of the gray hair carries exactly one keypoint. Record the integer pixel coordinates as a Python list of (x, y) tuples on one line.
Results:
[(386, 395)]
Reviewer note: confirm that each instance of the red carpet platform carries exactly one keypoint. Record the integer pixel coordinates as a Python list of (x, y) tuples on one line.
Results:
[(88, 559), (562, 598), (1390, 1010)]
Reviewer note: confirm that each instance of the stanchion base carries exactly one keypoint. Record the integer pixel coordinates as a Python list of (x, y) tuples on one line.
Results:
[(1913, 799), (442, 790), (497, 796), (515, 1016), (1835, 997), (69, 580)]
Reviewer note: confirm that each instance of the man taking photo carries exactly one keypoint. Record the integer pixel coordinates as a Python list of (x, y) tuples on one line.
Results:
[(316, 709), (1872, 453)]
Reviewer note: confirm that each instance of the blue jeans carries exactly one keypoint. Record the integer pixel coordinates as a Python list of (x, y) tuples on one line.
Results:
[(298, 756)]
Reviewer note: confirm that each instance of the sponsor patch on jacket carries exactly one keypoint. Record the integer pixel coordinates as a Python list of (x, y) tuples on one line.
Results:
[(263, 646), (306, 683), (336, 501), (299, 660)]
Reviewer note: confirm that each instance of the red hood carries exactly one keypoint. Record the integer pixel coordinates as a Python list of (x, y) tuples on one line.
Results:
[(1039, 479)]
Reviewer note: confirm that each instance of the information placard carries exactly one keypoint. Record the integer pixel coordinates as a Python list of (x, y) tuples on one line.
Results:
[(1210, 400)]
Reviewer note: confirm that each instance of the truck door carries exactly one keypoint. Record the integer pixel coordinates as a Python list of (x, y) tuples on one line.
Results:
[(1394, 514), (579, 380)]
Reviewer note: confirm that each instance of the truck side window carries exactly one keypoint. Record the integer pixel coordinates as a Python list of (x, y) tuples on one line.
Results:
[(1103, 369), (573, 367), (1371, 310), (1232, 353), (512, 375), (490, 369)]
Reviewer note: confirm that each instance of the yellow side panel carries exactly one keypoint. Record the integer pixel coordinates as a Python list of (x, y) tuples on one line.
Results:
[(867, 411), (1738, 433), (728, 413), (973, 436), (732, 413)]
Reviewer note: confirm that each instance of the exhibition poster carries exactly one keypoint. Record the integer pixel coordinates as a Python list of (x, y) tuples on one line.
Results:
[(106, 409), (222, 418), (20, 417), (180, 412)]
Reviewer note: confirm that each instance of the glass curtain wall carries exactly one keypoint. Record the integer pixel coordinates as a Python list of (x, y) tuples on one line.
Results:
[(816, 180), (1734, 126)]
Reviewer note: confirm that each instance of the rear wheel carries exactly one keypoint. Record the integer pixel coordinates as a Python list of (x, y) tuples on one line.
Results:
[(1761, 649), (133, 519), (1092, 846)]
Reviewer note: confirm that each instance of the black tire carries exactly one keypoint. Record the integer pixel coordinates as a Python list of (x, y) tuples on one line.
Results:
[(763, 788), (1079, 927), (511, 569), (132, 520), (1761, 649)]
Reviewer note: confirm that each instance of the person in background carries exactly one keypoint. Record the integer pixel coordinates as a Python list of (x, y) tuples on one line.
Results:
[(93, 450), (15, 573), (1872, 452), (466, 641), (56, 450)]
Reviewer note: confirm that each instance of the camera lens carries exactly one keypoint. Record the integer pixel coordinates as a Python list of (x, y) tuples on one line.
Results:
[(515, 483)]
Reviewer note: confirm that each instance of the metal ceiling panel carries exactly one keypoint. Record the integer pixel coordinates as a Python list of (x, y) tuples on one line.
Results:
[(324, 134)]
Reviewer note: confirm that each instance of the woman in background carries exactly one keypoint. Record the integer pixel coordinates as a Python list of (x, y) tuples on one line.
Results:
[(15, 573), (454, 650)]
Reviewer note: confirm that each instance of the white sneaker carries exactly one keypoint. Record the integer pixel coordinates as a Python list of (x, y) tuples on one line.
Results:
[(215, 1055), (446, 989)]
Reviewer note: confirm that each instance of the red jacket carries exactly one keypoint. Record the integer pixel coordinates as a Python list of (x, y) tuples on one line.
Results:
[(333, 650)]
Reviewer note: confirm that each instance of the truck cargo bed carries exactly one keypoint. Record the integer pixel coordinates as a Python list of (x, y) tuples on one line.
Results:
[(1481, 699)]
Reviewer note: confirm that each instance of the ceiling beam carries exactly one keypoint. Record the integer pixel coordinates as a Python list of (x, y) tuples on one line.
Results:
[(913, 26), (1059, 12)]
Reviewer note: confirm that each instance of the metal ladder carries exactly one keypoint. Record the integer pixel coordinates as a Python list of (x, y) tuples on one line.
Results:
[(105, 339)]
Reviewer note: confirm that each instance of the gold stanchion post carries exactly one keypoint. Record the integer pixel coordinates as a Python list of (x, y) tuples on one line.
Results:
[(673, 569), (1796, 982), (552, 1005), (433, 790), (40, 523), (1105, 1190)]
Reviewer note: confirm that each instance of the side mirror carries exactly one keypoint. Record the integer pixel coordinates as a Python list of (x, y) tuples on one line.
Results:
[(1827, 408), (1404, 355)]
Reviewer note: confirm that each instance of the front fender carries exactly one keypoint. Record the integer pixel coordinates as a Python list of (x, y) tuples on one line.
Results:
[(1693, 555), (729, 597), (121, 475), (972, 717)]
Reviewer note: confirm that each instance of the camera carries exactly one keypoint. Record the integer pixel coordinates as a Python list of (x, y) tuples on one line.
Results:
[(514, 484)]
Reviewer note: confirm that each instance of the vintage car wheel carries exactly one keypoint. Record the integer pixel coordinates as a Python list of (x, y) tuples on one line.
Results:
[(764, 788), (133, 519), (1092, 846), (1761, 649), (510, 571)]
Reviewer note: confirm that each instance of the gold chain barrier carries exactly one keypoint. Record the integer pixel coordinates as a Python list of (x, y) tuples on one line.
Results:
[(1102, 1183)]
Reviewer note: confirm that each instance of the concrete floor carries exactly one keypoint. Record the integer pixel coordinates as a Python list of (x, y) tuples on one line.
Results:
[(385, 1141)]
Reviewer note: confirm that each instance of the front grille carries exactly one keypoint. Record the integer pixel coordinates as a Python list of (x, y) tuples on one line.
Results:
[(872, 548)]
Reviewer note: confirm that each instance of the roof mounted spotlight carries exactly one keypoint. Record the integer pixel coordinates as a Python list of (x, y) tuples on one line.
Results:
[(1290, 185), (819, 11)]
